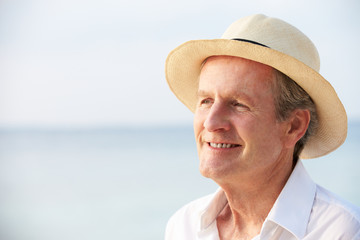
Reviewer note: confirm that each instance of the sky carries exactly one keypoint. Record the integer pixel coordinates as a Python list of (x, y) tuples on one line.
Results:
[(77, 63)]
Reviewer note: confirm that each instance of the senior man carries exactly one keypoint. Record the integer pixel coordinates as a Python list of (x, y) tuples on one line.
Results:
[(260, 107)]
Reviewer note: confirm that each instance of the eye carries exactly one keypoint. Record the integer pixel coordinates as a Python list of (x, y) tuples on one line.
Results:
[(206, 101), (240, 106)]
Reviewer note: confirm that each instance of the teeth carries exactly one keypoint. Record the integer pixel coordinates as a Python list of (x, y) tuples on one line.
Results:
[(222, 145)]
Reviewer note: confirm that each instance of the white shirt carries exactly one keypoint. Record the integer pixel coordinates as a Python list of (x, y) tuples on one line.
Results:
[(303, 210)]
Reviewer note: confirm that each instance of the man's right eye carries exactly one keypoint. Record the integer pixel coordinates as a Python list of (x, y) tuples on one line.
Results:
[(205, 101)]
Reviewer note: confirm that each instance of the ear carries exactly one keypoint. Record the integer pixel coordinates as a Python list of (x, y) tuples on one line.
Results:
[(298, 123)]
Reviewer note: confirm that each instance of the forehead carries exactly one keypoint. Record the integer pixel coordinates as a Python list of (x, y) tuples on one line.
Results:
[(235, 74)]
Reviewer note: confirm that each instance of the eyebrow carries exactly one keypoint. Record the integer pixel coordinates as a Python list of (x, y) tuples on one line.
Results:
[(201, 93)]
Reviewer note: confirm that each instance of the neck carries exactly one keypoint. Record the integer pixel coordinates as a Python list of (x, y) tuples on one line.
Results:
[(250, 199)]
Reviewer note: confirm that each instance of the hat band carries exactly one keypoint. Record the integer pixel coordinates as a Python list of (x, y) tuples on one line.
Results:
[(249, 41)]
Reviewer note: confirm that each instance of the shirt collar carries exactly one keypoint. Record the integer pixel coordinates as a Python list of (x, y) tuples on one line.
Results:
[(212, 209), (291, 210), (293, 206)]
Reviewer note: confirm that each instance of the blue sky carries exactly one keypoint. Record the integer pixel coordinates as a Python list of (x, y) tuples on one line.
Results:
[(76, 63)]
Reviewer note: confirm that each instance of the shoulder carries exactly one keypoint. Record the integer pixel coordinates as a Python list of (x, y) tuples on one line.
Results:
[(334, 216), (330, 201), (185, 221)]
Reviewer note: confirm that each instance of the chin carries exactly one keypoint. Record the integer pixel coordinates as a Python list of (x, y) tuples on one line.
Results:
[(215, 172)]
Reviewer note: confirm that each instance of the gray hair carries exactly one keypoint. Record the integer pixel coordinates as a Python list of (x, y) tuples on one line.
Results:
[(288, 96)]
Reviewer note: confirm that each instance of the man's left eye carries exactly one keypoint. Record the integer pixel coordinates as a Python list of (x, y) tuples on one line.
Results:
[(240, 105), (237, 104)]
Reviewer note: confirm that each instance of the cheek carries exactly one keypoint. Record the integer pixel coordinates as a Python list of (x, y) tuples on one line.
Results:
[(268, 139), (262, 131), (245, 125), (198, 123)]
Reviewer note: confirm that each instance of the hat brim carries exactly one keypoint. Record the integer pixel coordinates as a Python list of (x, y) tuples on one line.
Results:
[(183, 65)]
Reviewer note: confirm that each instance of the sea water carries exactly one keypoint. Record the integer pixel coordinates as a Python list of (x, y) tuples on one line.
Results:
[(120, 183)]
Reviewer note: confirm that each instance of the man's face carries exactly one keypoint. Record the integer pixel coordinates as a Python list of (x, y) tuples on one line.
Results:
[(236, 130)]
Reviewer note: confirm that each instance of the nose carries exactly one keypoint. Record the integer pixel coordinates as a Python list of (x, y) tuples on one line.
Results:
[(217, 118)]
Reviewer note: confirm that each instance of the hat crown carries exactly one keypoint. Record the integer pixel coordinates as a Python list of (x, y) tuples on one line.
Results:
[(275, 34)]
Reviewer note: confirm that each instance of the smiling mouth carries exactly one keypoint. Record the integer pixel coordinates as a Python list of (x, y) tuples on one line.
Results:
[(223, 145)]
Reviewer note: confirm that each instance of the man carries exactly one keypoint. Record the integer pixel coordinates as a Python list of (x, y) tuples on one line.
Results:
[(260, 105)]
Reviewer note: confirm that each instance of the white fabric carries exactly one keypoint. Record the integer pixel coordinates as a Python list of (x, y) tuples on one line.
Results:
[(303, 210)]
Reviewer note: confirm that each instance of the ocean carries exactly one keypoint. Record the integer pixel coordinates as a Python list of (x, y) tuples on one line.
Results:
[(121, 183)]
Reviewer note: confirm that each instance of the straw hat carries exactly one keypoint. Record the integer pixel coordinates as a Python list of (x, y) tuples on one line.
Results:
[(275, 43)]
